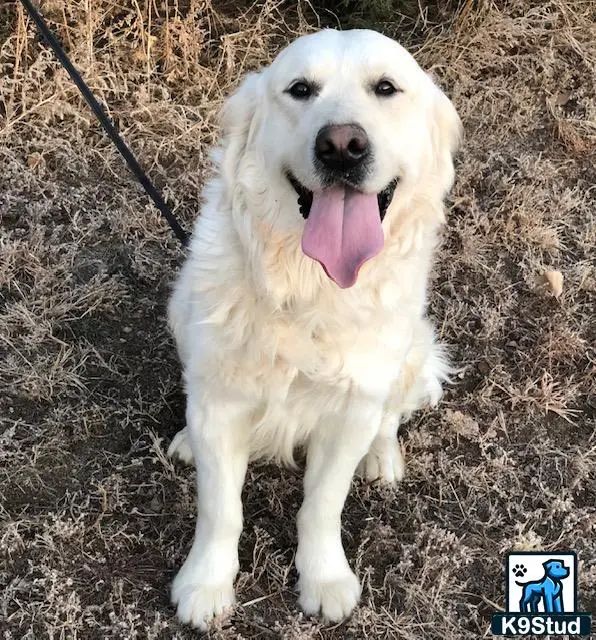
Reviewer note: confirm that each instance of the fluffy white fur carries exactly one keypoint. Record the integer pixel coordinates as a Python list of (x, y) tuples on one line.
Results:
[(275, 354)]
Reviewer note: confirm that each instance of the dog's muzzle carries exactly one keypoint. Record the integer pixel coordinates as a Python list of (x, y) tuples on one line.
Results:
[(305, 196)]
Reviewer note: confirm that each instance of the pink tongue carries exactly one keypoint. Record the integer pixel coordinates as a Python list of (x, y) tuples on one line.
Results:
[(342, 232)]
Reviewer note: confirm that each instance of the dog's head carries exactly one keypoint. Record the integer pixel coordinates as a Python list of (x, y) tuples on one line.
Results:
[(556, 569), (340, 126)]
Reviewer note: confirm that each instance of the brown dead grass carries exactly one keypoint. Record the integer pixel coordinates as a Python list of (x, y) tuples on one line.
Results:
[(94, 519)]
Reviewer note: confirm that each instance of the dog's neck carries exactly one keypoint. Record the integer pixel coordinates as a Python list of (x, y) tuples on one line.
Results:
[(287, 278), (284, 278)]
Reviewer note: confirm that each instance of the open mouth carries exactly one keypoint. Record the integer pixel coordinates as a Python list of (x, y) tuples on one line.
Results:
[(305, 197), (343, 228)]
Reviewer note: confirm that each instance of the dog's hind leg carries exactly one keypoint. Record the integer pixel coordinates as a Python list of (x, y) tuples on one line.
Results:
[(384, 460), (419, 385), (526, 601), (180, 447), (204, 585)]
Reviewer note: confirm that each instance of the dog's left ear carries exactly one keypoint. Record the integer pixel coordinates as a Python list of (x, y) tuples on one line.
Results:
[(446, 133)]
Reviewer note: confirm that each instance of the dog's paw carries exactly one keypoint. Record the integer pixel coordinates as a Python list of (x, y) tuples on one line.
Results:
[(198, 604), (180, 447), (334, 599), (384, 461), (519, 570)]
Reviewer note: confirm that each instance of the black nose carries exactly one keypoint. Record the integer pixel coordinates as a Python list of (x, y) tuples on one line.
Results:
[(341, 146)]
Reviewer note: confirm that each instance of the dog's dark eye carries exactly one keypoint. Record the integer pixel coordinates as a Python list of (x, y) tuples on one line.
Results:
[(300, 90), (385, 88)]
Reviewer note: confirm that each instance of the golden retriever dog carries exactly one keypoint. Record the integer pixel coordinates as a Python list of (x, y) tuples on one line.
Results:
[(299, 313)]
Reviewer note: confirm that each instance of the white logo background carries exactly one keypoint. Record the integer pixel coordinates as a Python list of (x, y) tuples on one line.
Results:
[(534, 570)]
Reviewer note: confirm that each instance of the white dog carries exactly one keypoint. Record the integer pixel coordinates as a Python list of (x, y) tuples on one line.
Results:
[(299, 314)]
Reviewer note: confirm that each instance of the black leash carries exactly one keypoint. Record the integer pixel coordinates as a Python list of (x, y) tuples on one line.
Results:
[(125, 151)]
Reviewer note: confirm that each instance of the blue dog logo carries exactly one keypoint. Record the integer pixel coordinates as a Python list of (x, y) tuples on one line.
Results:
[(548, 589), (545, 607)]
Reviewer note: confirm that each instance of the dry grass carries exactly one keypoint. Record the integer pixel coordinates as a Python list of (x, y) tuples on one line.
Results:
[(94, 519)]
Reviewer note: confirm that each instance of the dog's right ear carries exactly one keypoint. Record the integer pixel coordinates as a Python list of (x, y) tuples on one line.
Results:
[(238, 117)]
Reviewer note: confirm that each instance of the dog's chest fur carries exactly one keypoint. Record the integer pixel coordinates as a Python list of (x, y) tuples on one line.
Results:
[(268, 325)]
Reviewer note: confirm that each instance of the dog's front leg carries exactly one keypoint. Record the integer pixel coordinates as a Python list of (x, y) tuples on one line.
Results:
[(326, 582), (204, 585), (550, 600)]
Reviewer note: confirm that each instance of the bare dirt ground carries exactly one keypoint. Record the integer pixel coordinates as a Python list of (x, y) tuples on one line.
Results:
[(94, 519)]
